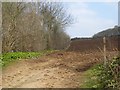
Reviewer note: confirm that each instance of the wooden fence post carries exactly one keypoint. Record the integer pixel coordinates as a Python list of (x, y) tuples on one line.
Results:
[(104, 49)]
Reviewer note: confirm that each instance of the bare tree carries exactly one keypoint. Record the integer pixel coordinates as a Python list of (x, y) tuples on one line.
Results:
[(34, 26), (10, 13), (54, 20)]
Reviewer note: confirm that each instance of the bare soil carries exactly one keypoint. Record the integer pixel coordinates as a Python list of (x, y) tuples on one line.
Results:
[(94, 44), (56, 70)]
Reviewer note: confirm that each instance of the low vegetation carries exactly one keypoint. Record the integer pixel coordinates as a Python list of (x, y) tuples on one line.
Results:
[(8, 58), (104, 77)]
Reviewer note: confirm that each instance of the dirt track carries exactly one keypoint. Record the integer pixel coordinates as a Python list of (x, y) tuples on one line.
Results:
[(57, 70)]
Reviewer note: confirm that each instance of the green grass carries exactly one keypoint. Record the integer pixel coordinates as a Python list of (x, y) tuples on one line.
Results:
[(100, 76), (8, 58), (91, 78)]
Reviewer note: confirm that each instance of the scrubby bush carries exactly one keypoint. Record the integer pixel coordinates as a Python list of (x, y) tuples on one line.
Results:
[(109, 75)]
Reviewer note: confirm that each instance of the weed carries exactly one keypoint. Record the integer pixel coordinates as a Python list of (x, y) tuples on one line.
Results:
[(104, 77), (8, 58)]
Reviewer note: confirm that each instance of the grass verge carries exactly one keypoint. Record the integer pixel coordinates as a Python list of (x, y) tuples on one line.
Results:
[(8, 58), (100, 76), (91, 78)]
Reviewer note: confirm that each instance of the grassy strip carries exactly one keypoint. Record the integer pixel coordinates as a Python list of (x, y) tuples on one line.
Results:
[(8, 58), (91, 78), (100, 76), (0, 61)]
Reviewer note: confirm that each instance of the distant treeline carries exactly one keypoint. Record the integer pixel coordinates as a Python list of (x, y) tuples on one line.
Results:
[(109, 32), (105, 33), (96, 42)]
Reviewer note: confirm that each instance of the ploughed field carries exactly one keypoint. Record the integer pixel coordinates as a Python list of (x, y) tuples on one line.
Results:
[(61, 69), (95, 44)]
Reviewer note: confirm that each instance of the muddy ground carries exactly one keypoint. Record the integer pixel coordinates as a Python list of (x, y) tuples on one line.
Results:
[(56, 70)]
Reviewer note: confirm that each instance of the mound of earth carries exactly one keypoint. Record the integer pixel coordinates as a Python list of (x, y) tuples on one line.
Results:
[(56, 70)]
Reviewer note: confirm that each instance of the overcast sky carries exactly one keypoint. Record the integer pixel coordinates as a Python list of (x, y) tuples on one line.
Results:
[(91, 17)]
